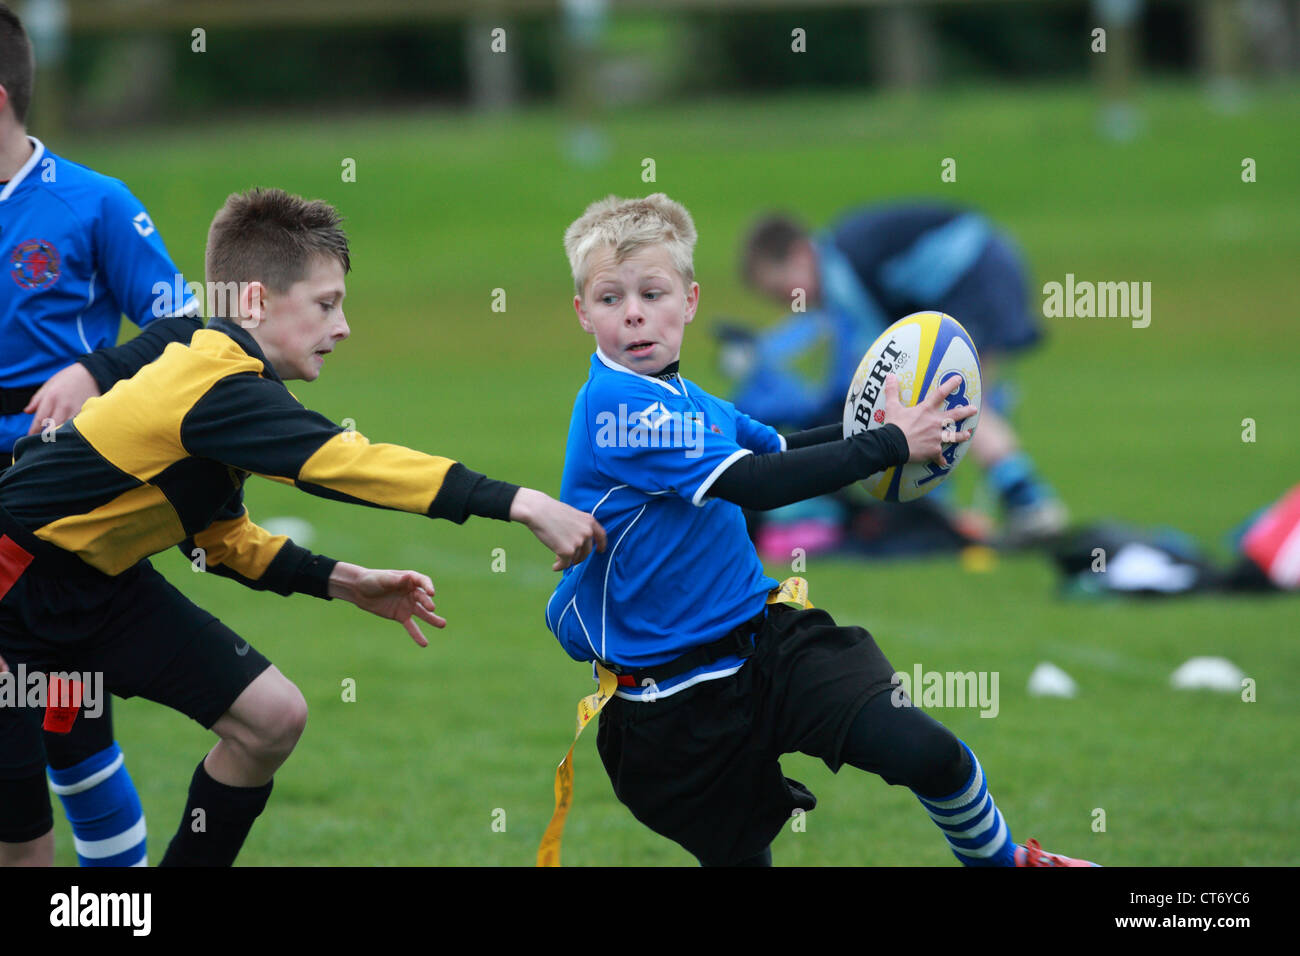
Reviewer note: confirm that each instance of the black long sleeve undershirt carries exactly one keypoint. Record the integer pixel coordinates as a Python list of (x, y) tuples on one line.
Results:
[(490, 498), (815, 436), (112, 364), (763, 482)]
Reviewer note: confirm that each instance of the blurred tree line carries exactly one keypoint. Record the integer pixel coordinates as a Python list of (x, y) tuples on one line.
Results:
[(642, 55)]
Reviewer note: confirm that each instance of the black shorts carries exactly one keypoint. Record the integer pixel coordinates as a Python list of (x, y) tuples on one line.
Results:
[(135, 633), (701, 766)]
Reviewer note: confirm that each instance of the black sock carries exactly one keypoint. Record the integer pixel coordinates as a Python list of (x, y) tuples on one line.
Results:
[(762, 858), (216, 822), (758, 859)]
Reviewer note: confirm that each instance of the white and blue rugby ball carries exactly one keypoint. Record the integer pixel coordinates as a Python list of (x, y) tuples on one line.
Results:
[(924, 350)]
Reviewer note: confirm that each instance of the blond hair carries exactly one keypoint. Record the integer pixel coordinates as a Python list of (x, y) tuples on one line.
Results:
[(627, 225)]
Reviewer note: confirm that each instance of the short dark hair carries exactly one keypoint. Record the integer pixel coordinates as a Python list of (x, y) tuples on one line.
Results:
[(770, 239), (272, 237), (17, 65)]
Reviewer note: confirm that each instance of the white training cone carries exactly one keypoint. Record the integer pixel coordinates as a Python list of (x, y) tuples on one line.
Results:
[(1210, 673), (296, 529), (1048, 680)]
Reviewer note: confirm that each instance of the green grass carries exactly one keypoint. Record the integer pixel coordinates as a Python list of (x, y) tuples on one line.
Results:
[(1140, 424)]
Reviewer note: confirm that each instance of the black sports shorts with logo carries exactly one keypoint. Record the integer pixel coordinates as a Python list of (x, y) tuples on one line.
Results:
[(58, 614), (701, 766)]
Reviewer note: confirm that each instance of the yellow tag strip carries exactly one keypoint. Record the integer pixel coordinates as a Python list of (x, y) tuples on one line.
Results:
[(548, 853), (791, 591)]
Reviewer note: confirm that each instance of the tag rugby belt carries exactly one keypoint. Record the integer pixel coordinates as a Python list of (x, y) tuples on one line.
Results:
[(739, 641), (14, 400)]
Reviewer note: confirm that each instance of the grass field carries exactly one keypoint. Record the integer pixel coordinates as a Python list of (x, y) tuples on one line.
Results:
[(1139, 424)]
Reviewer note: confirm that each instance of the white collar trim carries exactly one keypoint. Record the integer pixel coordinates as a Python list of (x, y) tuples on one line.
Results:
[(38, 150), (610, 363)]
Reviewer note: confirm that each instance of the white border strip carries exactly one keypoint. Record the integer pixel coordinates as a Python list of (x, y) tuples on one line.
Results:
[(698, 498)]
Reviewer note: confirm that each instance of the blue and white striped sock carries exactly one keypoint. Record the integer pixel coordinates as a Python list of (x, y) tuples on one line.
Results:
[(1016, 482), (971, 823), (104, 810)]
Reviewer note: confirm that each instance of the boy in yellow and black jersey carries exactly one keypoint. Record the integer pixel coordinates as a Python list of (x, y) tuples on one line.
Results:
[(160, 461), (137, 476)]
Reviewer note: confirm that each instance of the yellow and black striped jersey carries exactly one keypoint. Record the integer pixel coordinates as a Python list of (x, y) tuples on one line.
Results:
[(161, 458)]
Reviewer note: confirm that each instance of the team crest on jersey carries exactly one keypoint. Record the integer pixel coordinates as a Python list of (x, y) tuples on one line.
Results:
[(34, 264)]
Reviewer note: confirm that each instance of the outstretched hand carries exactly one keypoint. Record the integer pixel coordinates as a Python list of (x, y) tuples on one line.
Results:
[(928, 425), (61, 396), (399, 596), (571, 534)]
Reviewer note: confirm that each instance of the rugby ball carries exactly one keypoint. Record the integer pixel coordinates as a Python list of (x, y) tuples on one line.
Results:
[(924, 350)]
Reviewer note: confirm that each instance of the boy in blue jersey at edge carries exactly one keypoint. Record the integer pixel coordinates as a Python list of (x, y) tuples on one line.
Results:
[(80, 251), (715, 683)]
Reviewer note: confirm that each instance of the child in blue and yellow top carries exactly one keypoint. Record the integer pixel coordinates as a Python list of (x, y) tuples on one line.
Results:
[(715, 683)]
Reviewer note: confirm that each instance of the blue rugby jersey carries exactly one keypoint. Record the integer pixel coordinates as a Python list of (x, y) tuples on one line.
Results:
[(79, 250), (679, 569)]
